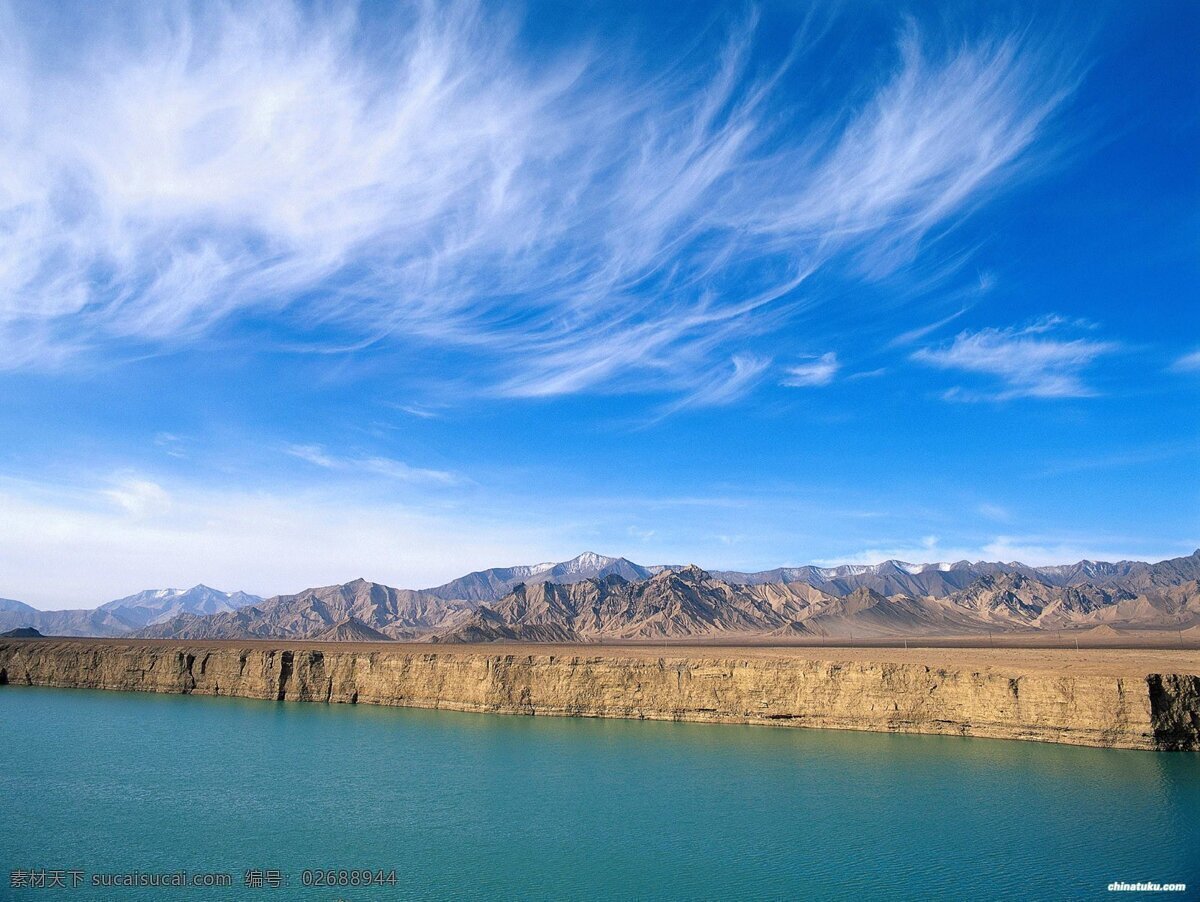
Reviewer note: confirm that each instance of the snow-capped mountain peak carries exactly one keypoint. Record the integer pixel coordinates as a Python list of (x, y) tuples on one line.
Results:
[(589, 560), (157, 605)]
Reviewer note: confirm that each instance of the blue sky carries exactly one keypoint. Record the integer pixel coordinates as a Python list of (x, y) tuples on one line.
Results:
[(290, 295)]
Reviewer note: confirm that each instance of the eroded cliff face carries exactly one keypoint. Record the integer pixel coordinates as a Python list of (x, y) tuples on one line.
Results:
[(1159, 711)]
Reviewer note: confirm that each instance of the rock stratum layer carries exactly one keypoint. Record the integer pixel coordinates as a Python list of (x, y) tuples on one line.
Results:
[(1116, 710)]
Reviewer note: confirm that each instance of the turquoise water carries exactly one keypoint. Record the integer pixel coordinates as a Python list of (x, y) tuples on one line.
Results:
[(482, 806)]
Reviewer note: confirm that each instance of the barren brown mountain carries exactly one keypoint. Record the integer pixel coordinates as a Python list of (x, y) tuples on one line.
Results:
[(596, 601), (396, 613), (689, 602)]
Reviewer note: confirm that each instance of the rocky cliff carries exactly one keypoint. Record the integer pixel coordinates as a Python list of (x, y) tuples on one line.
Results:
[(1151, 711)]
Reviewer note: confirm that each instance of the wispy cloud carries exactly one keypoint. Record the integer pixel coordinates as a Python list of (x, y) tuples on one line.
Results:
[(381, 466), (914, 335), (171, 444), (868, 374), (1036, 551), (138, 497), (995, 512), (1188, 363), (415, 410), (927, 551), (313, 454), (725, 385), (572, 224), (1127, 457), (1031, 361), (402, 472), (819, 372)]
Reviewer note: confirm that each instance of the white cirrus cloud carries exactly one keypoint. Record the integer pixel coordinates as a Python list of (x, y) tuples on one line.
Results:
[(1035, 551), (313, 454), (1032, 361), (725, 384), (820, 371), (387, 467), (571, 222), (1188, 363), (995, 511), (140, 498)]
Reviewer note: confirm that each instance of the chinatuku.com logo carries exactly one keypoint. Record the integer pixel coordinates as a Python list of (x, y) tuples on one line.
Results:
[(1121, 886)]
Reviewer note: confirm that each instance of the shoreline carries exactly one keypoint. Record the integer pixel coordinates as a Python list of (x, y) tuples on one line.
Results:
[(1114, 698)]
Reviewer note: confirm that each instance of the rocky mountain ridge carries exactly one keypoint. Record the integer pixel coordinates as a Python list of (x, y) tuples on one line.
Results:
[(495, 583), (690, 603), (123, 615), (158, 605), (888, 577), (391, 613), (596, 597)]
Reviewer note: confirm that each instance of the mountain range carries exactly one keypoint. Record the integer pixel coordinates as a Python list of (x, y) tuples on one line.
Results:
[(493, 584), (594, 597), (124, 615), (391, 613), (691, 603), (888, 578)]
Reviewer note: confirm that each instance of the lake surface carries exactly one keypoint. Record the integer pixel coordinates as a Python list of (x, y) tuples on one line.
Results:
[(488, 806)]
